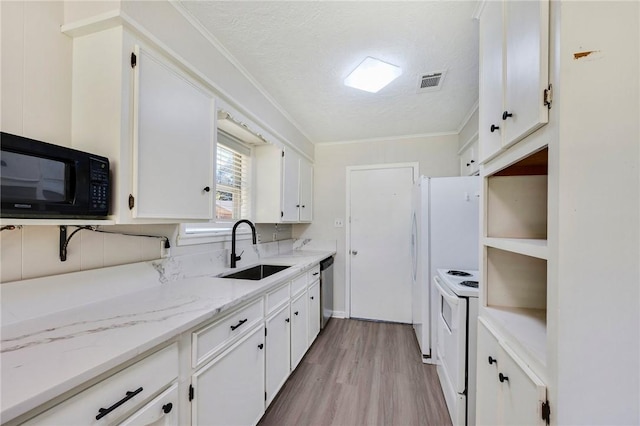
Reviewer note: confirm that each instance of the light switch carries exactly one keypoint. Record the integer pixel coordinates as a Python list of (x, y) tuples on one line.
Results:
[(338, 223)]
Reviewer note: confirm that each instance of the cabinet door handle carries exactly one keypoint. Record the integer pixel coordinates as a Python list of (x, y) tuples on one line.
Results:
[(233, 327), (303, 206), (167, 408), (506, 115), (287, 320), (311, 297), (298, 205), (315, 273), (130, 394), (472, 161), (468, 164), (502, 378), (260, 346), (494, 128), (206, 189), (295, 313), (492, 360)]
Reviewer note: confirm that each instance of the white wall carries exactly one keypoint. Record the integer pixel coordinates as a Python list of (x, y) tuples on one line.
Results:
[(436, 156), (36, 72)]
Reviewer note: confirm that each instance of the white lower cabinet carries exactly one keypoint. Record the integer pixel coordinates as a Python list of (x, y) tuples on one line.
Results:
[(299, 325), (508, 392), (278, 355), (161, 411), (236, 363), (230, 390), (117, 397), (314, 311)]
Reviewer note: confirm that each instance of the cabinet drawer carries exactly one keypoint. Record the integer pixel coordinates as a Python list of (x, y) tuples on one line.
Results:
[(277, 297), (298, 284), (213, 338), (161, 411), (313, 274), (130, 388)]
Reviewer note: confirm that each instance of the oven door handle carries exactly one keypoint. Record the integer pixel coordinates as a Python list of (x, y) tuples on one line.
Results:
[(449, 297)]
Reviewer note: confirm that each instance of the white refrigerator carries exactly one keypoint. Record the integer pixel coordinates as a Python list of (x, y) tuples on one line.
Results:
[(445, 232)]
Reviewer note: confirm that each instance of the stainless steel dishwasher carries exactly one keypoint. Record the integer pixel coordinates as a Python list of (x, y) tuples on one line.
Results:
[(326, 290)]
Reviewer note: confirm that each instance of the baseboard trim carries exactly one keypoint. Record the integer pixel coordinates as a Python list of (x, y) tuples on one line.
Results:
[(339, 314)]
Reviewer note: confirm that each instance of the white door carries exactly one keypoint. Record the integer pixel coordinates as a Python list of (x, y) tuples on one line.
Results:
[(380, 242)]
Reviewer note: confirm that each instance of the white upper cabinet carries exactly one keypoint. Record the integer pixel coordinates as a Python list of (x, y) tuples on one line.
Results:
[(174, 133), (306, 191), (284, 186), (514, 75), (154, 122), (290, 186)]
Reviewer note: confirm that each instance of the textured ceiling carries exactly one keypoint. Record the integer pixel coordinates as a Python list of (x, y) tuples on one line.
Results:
[(301, 51)]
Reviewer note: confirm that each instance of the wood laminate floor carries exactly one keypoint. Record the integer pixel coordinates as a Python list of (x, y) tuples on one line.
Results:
[(361, 373)]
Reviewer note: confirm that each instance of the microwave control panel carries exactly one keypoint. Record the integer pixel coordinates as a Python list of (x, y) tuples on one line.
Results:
[(99, 195)]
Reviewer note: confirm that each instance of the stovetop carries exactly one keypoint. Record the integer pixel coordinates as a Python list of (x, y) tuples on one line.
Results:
[(462, 282)]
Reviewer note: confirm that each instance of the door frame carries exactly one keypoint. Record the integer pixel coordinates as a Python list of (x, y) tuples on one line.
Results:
[(347, 252)]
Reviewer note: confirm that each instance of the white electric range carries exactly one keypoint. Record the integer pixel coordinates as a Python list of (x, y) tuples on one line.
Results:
[(457, 318)]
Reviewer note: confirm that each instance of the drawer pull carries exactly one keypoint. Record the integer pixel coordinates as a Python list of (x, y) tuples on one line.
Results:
[(492, 360), (502, 378), (166, 408), (233, 327), (494, 128), (104, 411), (315, 273)]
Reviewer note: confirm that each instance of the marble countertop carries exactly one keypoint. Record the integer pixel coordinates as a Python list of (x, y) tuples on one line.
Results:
[(44, 357)]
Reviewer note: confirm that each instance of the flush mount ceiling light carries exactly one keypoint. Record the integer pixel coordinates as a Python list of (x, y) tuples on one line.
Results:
[(372, 75)]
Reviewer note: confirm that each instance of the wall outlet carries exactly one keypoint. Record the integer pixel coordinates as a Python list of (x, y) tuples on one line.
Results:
[(338, 223)]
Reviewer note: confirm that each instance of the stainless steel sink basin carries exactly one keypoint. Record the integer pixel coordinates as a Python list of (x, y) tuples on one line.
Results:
[(257, 272)]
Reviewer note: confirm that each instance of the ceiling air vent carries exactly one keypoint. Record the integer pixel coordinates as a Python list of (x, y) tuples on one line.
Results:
[(431, 82)]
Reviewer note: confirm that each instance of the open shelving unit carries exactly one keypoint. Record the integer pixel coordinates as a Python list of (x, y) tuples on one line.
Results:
[(515, 251)]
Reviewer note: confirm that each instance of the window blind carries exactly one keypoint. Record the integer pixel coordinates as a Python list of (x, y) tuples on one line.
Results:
[(233, 184)]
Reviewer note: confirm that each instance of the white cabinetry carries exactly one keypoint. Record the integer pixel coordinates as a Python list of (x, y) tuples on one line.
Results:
[(299, 324), (511, 393), (278, 340), (514, 55), (161, 411), (284, 186), (314, 311), (117, 397), (230, 389), (469, 159), (560, 231), (154, 122)]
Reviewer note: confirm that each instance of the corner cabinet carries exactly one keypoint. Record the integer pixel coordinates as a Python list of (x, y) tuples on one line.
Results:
[(138, 107), (514, 76), (284, 186)]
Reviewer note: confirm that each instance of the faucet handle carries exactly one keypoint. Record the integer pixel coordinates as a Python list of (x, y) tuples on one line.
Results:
[(238, 257)]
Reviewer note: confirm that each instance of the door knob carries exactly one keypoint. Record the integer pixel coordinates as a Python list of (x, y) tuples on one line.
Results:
[(354, 252)]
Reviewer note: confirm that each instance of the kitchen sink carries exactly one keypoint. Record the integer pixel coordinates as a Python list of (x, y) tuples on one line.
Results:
[(257, 272)]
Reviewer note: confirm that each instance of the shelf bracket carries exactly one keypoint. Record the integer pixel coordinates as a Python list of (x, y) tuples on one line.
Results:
[(63, 243)]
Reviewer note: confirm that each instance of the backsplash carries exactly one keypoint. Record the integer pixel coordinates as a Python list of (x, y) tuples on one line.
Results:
[(33, 251)]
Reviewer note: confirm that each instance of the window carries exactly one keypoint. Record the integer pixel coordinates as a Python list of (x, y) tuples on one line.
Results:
[(233, 193), (232, 182)]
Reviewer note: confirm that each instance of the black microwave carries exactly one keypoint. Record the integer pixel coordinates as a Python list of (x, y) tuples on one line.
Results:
[(42, 180)]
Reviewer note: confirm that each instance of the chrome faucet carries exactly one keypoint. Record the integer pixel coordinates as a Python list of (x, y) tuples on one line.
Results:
[(235, 258)]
